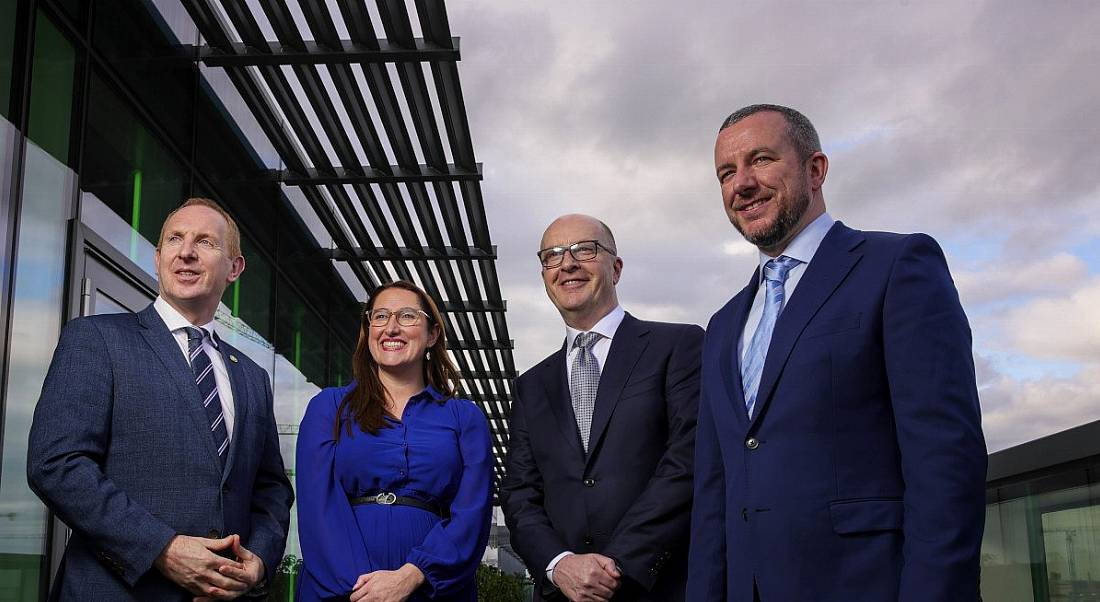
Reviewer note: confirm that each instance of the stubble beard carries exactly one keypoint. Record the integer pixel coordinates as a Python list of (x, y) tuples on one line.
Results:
[(788, 218)]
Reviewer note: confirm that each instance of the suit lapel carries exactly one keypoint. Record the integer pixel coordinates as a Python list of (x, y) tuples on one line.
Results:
[(729, 359), (239, 384), (555, 383), (831, 263), (164, 346), (627, 346)]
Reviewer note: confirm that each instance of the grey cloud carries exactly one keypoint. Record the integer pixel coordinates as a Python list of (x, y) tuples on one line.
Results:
[(974, 121)]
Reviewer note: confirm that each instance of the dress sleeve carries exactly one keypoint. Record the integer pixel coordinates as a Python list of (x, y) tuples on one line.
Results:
[(452, 550), (333, 551)]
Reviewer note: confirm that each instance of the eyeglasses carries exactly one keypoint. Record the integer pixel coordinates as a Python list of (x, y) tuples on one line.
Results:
[(406, 316), (583, 250)]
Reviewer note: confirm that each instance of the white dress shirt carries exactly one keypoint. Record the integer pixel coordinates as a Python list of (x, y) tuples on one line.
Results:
[(176, 324), (606, 327), (802, 247)]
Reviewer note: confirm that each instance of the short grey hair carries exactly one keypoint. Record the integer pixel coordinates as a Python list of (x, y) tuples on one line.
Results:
[(799, 129)]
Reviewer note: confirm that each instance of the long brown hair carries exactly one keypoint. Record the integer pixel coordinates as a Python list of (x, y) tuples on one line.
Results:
[(365, 403)]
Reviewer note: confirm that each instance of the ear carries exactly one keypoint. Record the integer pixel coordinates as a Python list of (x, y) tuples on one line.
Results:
[(236, 269), (433, 336), (817, 169), (617, 270)]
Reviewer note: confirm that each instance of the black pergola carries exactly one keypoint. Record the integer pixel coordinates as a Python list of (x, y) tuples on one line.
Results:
[(373, 130)]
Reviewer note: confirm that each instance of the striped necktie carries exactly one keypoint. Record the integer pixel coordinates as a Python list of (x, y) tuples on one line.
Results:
[(208, 388), (584, 382), (775, 275)]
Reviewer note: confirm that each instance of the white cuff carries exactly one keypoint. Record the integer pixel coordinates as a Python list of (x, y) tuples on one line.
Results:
[(554, 563)]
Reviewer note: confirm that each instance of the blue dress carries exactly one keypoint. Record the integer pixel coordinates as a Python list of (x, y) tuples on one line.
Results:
[(439, 452)]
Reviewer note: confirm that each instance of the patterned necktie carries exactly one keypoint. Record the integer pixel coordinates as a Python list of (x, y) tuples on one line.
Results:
[(584, 382), (775, 274), (208, 388)]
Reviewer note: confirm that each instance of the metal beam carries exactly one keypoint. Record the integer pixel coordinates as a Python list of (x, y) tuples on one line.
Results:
[(489, 375), (314, 53), (426, 253), (480, 345), (472, 306), (370, 175)]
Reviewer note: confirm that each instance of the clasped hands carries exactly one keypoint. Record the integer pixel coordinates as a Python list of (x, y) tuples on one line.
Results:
[(387, 586), (587, 577), (193, 564)]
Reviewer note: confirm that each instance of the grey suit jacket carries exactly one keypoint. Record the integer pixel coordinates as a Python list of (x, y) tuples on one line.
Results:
[(120, 449)]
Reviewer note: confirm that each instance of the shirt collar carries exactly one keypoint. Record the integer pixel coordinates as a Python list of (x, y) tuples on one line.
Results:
[(803, 246), (174, 320), (429, 392), (606, 327)]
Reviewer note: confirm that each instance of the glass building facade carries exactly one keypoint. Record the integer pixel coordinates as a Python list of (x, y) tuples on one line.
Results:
[(1042, 526), (105, 126)]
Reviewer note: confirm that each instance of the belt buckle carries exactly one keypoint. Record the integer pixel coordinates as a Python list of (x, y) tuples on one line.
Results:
[(385, 498)]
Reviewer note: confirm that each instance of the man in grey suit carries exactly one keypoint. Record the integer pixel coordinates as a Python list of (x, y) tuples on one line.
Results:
[(155, 441)]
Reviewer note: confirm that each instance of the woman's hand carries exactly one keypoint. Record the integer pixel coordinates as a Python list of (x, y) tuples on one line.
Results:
[(387, 586)]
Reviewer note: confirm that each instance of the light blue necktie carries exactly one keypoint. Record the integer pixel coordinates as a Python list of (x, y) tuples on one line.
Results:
[(775, 274)]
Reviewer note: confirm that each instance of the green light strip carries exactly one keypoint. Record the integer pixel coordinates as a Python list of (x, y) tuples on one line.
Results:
[(237, 299), (135, 216), (298, 349)]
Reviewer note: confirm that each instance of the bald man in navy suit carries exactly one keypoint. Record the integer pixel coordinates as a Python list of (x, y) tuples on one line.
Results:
[(597, 488)]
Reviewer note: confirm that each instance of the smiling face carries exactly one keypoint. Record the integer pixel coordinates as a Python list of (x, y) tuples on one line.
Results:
[(583, 291), (397, 347), (770, 192), (193, 262)]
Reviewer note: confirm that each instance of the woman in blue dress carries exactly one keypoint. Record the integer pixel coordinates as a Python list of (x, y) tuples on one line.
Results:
[(394, 471)]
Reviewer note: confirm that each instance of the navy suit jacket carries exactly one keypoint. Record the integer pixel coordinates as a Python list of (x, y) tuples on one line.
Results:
[(862, 474), (120, 449), (630, 497)]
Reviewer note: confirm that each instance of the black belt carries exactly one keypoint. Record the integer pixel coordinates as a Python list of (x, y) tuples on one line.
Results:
[(386, 498)]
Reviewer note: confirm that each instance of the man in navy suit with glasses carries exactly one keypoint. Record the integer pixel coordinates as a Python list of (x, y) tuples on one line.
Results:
[(597, 485), (840, 454), (155, 440)]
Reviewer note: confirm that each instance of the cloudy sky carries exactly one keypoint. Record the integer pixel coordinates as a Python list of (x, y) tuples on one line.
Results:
[(973, 121)]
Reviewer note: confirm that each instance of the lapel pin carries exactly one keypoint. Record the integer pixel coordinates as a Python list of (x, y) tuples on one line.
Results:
[(232, 358)]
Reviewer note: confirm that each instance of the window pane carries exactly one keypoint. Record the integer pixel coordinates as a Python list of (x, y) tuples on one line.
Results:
[(127, 168), (7, 51), (48, 188), (249, 298), (51, 89), (1071, 542), (1043, 546), (165, 86)]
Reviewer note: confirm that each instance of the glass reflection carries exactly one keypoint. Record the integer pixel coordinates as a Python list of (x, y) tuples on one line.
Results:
[(35, 323), (1044, 546)]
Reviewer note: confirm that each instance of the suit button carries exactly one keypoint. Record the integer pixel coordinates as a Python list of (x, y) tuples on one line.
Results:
[(588, 541), (590, 482), (752, 443), (213, 534), (745, 514)]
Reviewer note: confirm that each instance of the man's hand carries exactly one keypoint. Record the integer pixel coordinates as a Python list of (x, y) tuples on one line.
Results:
[(191, 562), (249, 569), (587, 577), (387, 586)]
